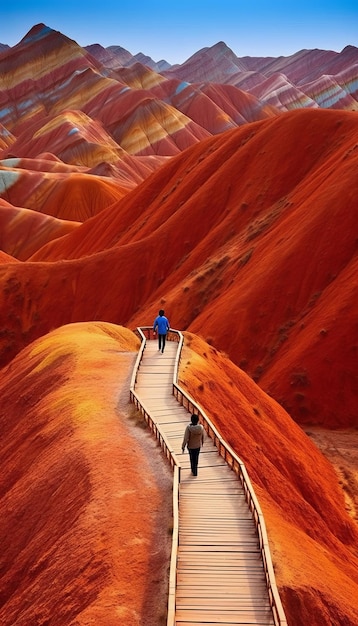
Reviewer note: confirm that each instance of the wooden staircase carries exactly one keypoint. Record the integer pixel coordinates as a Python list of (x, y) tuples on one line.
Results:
[(218, 575)]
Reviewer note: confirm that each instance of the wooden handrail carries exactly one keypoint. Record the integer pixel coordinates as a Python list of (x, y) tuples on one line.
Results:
[(174, 552), (144, 333), (230, 457)]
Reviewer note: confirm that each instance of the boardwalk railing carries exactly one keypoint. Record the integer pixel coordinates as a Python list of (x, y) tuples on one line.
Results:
[(234, 462)]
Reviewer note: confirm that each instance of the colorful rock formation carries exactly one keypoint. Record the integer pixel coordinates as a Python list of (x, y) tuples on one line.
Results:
[(127, 185)]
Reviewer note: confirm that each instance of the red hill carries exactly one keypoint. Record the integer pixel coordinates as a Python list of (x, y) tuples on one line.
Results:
[(84, 523), (23, 231), (313, 541), (249, 237)]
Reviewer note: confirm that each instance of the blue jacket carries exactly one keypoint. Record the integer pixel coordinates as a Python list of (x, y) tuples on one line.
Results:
[(162, 324)]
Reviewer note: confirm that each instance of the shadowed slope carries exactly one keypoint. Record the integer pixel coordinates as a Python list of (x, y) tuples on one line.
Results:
[(312, 538), (249, 238), (85, 496)]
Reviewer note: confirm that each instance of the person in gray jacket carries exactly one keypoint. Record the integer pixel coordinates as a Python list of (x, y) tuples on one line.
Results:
[(193, 439)]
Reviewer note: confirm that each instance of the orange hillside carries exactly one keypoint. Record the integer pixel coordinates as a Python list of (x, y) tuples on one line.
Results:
[(312, 538), (86, 499)]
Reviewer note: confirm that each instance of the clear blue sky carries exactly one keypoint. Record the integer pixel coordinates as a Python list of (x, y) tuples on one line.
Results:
[(174, 30)]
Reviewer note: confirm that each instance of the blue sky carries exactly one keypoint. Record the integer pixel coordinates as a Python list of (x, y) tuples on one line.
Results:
[(174, 30)]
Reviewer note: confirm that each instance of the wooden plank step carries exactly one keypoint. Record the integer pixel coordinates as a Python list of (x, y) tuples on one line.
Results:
[(206, 537), (208, 594), (208, 526), (228, 483), (231, 491), (254, 580), (229, 544), (249, 604), (246, 615), (191, 491), (207, 529), (207, 564), (214, 515), (220, 556), (163, 375), (231, 487), (151, 394), (225, 518), (203, 507), (252, 590), (155, 381), (189, 496), (201, 623), (220, 571), (197, 509), (226, 525), (243, 549), (225, 477), (199, 568), (200, 525), (210, 591), (227, 579)]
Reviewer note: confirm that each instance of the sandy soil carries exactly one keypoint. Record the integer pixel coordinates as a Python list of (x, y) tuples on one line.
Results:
[(340, 447)]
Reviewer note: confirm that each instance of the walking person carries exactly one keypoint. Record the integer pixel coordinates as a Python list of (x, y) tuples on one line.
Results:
[(193, 439), (162, 324)]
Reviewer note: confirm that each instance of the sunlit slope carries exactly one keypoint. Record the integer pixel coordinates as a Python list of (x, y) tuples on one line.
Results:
[(6, 138), (85, 492), (6, 258), (312, 539), (136, 110), (248, 238), (48, 185), (23, 231), (305, 79), (71, 195)]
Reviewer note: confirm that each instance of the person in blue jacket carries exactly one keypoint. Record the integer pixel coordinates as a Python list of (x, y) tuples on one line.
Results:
[(162, 324)]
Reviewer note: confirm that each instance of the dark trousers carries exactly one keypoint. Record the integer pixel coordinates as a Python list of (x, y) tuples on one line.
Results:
[(194, 458), (161, 340)]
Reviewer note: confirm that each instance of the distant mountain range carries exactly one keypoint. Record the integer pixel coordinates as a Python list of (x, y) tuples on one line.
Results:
[(308, 78)]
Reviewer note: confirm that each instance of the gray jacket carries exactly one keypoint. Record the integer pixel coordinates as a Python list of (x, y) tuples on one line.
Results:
[(193, 436)]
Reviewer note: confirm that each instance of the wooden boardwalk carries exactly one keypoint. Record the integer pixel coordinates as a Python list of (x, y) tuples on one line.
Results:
[(220, 577)]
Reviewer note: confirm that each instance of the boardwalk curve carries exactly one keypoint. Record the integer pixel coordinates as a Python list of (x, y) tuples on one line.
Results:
[(221, 571)]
